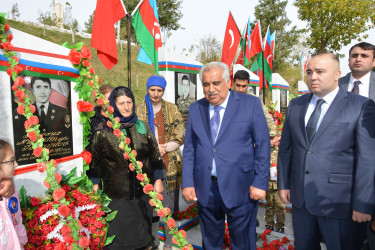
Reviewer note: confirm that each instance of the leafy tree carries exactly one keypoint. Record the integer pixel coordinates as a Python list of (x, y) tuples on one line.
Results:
[(15, 12), (45, 18), (272, 13), (88, 24), (209, 49), (334, 24)]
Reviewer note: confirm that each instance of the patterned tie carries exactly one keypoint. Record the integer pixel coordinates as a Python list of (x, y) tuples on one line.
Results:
[(313, 121), (356, 88), (215, 122)]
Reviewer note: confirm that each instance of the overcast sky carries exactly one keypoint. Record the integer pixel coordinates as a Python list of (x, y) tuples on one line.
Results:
[(200, 18)]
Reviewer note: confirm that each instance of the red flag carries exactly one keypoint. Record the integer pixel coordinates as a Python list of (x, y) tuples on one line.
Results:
[(231, 40), (255, 40), (103, 37), (305, 65)]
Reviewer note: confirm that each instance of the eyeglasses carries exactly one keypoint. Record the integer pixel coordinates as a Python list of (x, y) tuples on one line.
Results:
[(11, 162)]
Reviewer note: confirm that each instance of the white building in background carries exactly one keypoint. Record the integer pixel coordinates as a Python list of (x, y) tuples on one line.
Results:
[(59, 14)]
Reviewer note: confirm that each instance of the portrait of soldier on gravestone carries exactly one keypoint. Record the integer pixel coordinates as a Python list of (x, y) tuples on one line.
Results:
[(283, 101), (51, 98), (186, 92)]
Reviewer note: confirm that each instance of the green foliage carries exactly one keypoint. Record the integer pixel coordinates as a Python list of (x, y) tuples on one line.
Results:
[(334, 24), (88, 24), (15, 12), (111, 216), (109, 240), (209, 49), (24, 198), (272, 13)]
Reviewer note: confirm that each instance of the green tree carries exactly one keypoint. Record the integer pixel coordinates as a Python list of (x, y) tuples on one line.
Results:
[(209, 49), (334, 24), (45, 18), (272, 13), (15, 12), (88, 24)]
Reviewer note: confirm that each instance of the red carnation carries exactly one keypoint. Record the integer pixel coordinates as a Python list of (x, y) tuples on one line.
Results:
[(20, 94), (141, 177), (9, 71), (33, 120), (183, 232), (46, 184), (117, 132), (32, 108), (134, 153), (187, 247), (83, 106), (65, 230), (32, 136), (117, 119), (6, 27), (109, 124), (8, 46), (161, 213), (90, 83), (127, 140), (92, 70), (100, 101), (290, 247), (285, 240), (10, 37), (87, 157), (86, 53), (86, 63), (83, 242), (94, 93), (38, 151), (167, 210), (147, 188), (41, 167), (110, 109), (68, 239), (140, 164), (160, 196), (74, 56), (171, 223), (58, 194), (21, 109), (152, 203), (18, 70), (34, 201), (174, 241), (16, 59), (130, 165), (19, 80), (58, 177), (265, 244), (99, 80), (66, 188), (14, 87)]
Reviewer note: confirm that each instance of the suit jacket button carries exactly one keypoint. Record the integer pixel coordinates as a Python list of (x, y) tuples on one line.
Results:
[(309, 152), (307, 172), (214, 150), (209, 168)]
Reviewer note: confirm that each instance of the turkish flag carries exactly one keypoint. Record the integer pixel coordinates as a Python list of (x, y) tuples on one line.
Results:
[(103, 37), (255, 45), (231, 40)]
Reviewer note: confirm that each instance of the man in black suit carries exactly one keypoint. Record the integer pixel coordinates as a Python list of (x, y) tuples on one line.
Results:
[(326, 160)]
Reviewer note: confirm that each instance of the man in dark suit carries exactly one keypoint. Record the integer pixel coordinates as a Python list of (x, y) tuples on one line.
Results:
[(225, 160), (361, 64), (326, 160), (361, 79), (52, 118)]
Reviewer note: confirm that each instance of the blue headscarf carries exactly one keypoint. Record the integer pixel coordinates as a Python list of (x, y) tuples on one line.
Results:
[(133, 117), (153, 81)]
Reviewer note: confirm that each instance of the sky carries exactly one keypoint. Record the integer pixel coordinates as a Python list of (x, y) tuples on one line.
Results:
[(200, 18)]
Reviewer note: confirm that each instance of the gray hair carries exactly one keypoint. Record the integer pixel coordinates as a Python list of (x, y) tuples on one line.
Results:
[(212, 65)]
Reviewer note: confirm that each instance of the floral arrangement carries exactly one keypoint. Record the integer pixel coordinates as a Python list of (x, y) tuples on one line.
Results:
[(44, 217), (190, 212), (276, 115), (275, 244), (87, 85)]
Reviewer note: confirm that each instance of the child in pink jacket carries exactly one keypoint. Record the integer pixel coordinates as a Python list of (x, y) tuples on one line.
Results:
[(12, 232)]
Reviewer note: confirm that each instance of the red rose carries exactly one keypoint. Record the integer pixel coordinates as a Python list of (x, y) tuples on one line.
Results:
[(96, 241), (16, 59), (84, 106), (21, 109), (86, 53), (46, 229), (109, 124), (32, 223), (18, 70), (65, 229), (20, 94), (31, 135), (41, 167), (110, 109), (160, 196), (83, 242), (9, 71), (33, 120), (285, 240), (85, 221), (130, 165), (127, 140), (101, 102), (10, 37), (147, 188), (66, 188), (34, 201), (117, 132), (74, 56), (14, 87), (58, 194), (152, 203), (19, 80), (32, 108), (6, 27), (8, 46), (87, 157), (86, 63), (75, 193), (38, 151), (58, 177), (171, 223), (98, 224), (43, 208)]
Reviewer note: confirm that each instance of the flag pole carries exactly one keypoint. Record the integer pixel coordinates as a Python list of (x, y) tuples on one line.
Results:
[(129, 17), (264, 85)]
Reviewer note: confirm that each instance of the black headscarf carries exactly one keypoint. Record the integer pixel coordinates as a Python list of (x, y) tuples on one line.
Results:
[(133, 117)]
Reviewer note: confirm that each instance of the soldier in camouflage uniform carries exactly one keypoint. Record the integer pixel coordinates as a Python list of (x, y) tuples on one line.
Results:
[(274, 204)]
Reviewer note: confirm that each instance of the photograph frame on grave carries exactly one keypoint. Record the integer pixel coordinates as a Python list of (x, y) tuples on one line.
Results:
[(252, 90), (55, 123), (283, 101), (185, 96)]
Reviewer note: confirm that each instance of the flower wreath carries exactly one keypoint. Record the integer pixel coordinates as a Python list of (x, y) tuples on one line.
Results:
[(87, 85)]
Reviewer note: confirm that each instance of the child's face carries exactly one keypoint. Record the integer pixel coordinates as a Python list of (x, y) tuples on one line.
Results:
[(8, 164)]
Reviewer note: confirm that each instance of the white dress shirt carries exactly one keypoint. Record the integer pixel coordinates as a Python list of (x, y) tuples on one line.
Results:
[(364, 86)]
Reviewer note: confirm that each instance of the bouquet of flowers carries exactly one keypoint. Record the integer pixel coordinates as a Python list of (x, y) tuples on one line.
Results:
[(49, 224)]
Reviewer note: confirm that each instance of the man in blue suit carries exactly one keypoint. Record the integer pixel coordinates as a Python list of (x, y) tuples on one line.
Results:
[(326, 160), (226, 159)]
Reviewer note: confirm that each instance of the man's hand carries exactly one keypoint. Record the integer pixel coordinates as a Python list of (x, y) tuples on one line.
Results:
[(189, 194), (373, 225), (95, 188), (6, 187), (257, 194), (284, 195), (158, 186), (360, 217), (162, 149), (275, 141)]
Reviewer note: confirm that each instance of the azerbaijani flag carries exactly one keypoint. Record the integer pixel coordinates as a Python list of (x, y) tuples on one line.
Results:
[(268, 52), (147, 30)]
